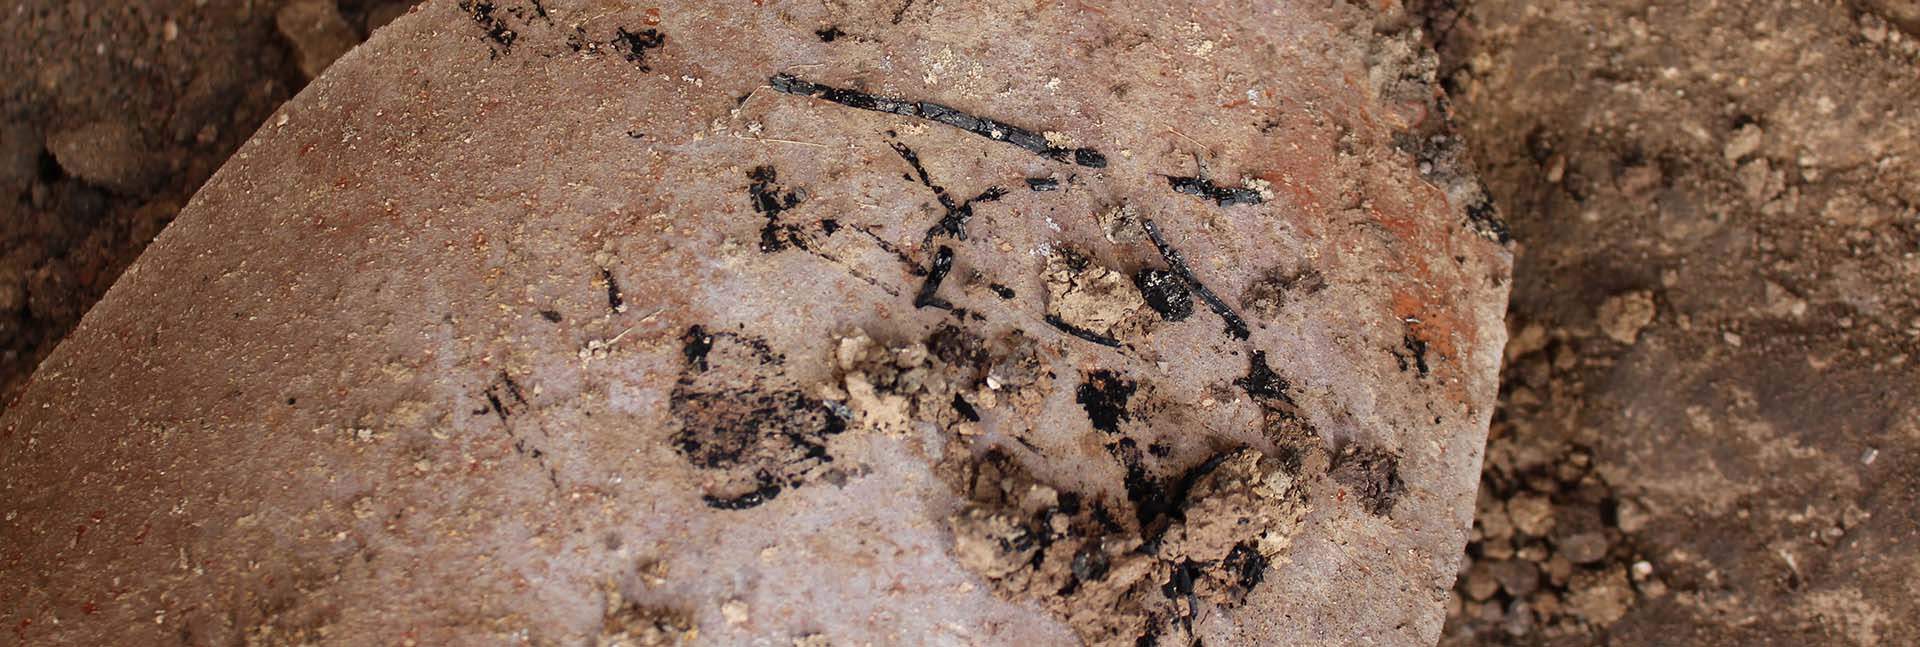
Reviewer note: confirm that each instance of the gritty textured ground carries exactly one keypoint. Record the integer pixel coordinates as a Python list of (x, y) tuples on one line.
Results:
[(1710, 431), (1708, 428)]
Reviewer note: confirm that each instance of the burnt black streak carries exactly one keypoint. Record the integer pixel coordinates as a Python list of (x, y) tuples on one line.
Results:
[(694, 346), (513, 388), (493, 403), (1165, 293), (1235, 325), (954, 222), (496, 27), (1262, 383), (989, 128), (965, 408), (913, 266), (913, 160), (770, 201), (1416, 356), (1486, 219), (1247, 565), (504, 396), (634, 45), (614, 298), (942, 264), (1082, 333), (1043, 184), (1220, 195), (767, 491), (1104, 395)]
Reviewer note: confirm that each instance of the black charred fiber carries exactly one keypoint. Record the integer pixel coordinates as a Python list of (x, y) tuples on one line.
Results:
[(1262, 382), (954, 223), (634, 45), (1082, 333), (1220, 195), (766, 492), (1416, 356), (942, 265), (615, 300), (1104, 396), (495, 27), (985, 127), (694, 345), (1235, 325), (965, 409), (1486, 220), (1166, 293), (770, 200)]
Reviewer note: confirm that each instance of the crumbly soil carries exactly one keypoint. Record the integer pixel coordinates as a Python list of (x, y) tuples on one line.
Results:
[(1709, 433)]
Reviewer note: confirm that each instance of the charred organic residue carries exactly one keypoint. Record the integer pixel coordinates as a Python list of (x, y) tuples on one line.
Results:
[(965, 409), (954, 222), (1082, 333), (1223, 196), (532, 10), (504, 397), (694, 346), (961, 350), (770, 200), (1264, 385), (928, 295), (634, 45), (1247, 565), (1415, 356), (616, 301), (769, 488), (1139, 579), (1104, 396), (1486, 221), (1235, 325), (1092, 301), (745, 423), (1374, 476), (1165, 293), (982, 126), (1281, 418), (497, 31), (946, 379), (1269, 294)]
